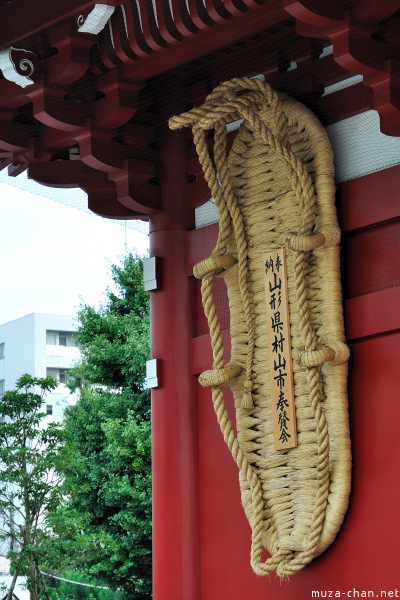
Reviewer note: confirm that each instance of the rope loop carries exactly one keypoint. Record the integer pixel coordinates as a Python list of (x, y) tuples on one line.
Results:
[(326, 236), (304, 243), (313, 358), (213, 266), (334, 353), (221, 376)]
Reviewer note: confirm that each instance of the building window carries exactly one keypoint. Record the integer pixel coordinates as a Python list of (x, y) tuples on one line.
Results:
[(61, 377), (2, 386), (2, 349), (61, 338), (50, 372), (58, 374), (51, 338), (49, 409)]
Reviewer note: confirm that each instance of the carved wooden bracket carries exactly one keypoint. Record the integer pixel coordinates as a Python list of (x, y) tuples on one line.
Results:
[(96, 20), (18, 65)]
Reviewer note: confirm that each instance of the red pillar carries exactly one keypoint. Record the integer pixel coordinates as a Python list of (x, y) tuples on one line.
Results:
[(176, 549)]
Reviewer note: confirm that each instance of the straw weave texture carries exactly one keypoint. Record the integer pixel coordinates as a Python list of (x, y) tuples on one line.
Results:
[(276, 189)]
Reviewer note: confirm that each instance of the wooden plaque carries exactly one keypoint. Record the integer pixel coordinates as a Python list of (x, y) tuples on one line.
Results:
[(279, 350)]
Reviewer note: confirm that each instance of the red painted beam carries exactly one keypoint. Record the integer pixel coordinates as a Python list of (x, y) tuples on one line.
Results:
[(202, 352), (201, 243), (176, 527), (358, 204), (372, 314)]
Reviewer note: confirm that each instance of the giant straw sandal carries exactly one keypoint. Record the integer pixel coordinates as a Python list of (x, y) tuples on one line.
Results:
[(276, 190)]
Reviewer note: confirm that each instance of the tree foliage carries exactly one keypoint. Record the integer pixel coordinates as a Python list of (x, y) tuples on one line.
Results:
[(30, 463), (109, 475), (68, 588), (45, 535)]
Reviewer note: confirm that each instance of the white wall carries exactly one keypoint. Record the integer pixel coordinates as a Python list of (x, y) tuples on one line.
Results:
[(26, 351), (19, 351)]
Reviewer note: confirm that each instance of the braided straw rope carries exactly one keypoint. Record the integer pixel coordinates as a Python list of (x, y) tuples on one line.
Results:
[(276, 189)]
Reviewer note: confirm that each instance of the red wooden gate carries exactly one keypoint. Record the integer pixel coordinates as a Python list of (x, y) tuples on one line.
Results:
[(204, 553)]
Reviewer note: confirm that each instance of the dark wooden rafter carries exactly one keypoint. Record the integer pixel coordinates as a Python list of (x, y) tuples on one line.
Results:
[(366, 41), (88, 114)]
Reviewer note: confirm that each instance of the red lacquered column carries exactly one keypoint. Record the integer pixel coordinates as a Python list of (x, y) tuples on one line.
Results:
[(174, 404)]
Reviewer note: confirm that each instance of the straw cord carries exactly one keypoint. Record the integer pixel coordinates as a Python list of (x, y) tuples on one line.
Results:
[(225, 198), (222, 106)]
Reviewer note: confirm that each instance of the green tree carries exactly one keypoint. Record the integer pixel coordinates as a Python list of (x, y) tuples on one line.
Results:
[(68, 587), (109, 476), (30, 458)]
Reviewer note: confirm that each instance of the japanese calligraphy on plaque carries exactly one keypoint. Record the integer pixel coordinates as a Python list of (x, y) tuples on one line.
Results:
[(279, 350)]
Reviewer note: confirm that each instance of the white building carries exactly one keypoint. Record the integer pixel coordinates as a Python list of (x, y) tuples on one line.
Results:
[(40, 345)]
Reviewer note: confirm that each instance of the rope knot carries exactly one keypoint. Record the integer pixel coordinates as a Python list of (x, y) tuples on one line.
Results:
[(331, 234), (342, 351), (247, 400)]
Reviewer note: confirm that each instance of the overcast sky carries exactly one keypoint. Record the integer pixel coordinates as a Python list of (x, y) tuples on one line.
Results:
[(54, 256)]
